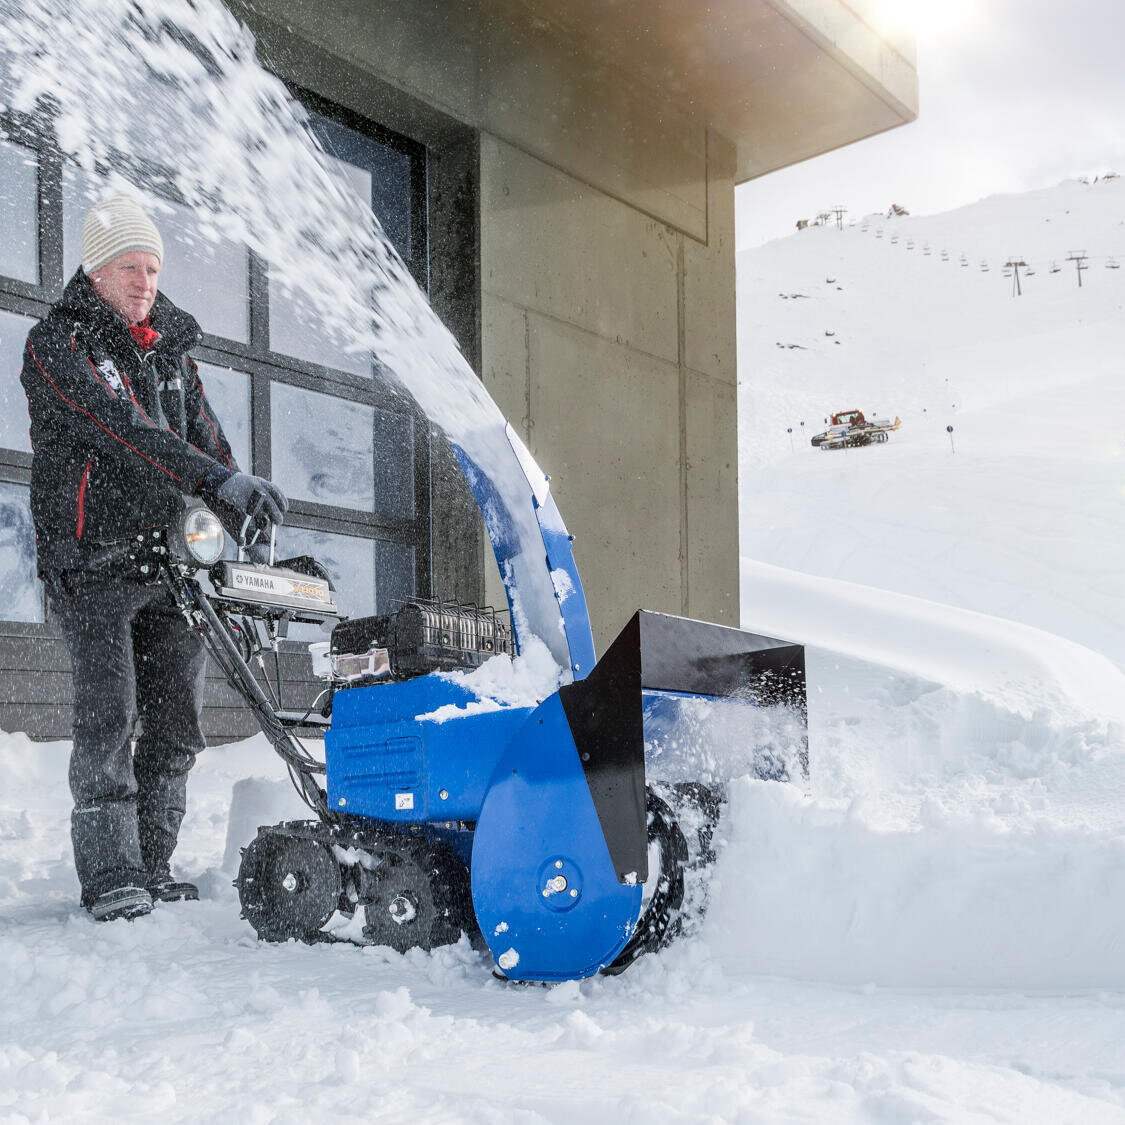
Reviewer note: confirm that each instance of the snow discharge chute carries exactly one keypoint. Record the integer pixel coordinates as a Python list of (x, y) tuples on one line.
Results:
[(566, 831)]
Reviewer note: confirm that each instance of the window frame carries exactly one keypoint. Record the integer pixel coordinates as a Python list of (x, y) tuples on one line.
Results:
[(262, 366)]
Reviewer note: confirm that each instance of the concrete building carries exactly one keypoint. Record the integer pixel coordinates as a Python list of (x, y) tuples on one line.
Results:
[(560, 177)]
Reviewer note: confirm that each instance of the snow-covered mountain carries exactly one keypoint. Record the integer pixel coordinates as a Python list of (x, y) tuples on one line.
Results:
[(1025, 519)]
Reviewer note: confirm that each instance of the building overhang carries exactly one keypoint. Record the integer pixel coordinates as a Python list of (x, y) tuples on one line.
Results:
[(784, 80)]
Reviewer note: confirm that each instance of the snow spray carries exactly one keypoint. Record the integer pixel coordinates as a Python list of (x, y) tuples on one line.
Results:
[(235, 147)]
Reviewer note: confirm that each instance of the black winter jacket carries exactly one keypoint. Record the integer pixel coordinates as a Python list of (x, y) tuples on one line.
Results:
[(119, 435)]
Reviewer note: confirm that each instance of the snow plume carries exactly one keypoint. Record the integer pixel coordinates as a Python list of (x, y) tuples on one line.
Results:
[(179, 82), (229, 139), (714, 740)]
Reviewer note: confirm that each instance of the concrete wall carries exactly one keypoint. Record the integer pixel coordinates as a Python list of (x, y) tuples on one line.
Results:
[(520, 79), (608, 340)]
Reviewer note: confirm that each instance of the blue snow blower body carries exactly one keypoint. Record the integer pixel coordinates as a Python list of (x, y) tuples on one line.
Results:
[(565, 835)]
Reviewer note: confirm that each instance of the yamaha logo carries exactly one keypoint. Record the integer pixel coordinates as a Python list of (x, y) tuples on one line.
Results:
[(254, 581)]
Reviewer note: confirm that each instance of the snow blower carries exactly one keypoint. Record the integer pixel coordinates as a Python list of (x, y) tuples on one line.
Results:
[(568, 836)]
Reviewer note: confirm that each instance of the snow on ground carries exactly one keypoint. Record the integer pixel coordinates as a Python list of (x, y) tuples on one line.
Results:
[(186, 1017), (928, 931)]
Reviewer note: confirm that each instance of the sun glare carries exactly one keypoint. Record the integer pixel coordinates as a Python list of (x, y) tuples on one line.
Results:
[(925, 19)]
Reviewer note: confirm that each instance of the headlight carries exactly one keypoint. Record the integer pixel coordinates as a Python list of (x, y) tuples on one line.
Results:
[(204, 536)]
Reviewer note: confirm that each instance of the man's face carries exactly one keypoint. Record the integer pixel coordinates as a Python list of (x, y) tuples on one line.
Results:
[(128, 284)]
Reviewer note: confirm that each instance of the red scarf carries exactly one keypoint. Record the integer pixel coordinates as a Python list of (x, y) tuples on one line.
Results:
[(144, 335)]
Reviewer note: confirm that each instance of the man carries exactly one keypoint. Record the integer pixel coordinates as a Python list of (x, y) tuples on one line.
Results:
[(121, 431)]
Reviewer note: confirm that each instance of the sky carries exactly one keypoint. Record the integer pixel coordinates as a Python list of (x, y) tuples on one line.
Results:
[(1013, 95)]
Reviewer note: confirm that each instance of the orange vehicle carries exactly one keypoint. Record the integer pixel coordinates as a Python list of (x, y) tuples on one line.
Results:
[(851, 428)]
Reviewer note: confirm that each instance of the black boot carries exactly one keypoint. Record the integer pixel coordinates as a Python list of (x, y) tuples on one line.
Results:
[(127, 902), (163, 888)]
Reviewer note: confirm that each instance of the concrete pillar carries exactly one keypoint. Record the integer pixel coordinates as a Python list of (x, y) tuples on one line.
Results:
[(608, 341)]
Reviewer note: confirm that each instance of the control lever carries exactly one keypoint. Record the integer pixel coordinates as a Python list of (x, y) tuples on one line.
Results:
[(244, 544)]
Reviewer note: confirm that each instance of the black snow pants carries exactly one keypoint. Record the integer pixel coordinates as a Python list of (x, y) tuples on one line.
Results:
[(131, 653)]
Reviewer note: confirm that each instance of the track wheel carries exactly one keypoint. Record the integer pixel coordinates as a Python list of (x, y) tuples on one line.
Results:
[(660, 907), (289, 886), (398, 902)]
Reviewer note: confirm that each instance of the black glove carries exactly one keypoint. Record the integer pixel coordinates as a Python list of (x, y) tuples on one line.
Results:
[(255, 497)]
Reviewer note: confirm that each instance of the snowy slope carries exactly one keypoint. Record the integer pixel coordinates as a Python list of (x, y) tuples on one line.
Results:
[(1025, 519), (964, 825)]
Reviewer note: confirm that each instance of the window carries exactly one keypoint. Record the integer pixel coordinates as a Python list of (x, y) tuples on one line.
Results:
[(312, 413), (228, 392), (14, 421), (19, 231), (391, 180), (20, 591)]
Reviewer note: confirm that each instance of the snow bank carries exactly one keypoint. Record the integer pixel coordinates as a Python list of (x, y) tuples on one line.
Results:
[(965, 818), (810, 890), (1027, 670), (255, 802)]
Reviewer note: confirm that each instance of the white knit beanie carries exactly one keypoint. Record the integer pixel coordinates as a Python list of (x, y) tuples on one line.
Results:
[(116, 226)]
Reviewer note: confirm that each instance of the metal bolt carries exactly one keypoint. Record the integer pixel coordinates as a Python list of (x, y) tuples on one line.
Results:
[(342, 802), (558, 864), (289, 882), (556, 885), (444, 794), (573, 892), (144, 569)]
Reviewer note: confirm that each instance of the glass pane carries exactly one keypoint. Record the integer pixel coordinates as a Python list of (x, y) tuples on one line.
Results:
[(208, 277), (19, 213), (296, 331), (21, 594), (349, 560), (322, 448), (7, 86), (228, 392), (394, 575), (14, 421), (386, 181), (380, 175)]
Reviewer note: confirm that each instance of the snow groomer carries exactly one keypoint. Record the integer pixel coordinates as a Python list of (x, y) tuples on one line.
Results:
[(121, 432)]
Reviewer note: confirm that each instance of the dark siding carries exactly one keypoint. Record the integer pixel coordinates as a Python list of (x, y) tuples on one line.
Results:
[(36, 693)]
